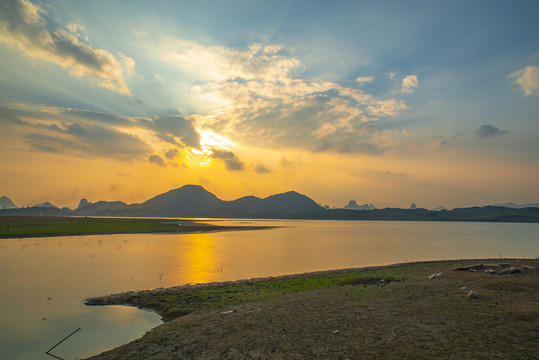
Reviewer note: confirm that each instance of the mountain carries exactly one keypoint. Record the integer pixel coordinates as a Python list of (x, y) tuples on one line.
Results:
[(195, 201), (352, 205), (83, 202), (45, 205), (283, 205), (189, 200), (518, 206), (100, 208), (6, 203)]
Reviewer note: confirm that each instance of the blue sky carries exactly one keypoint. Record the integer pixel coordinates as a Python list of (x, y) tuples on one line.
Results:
[(431, 102)]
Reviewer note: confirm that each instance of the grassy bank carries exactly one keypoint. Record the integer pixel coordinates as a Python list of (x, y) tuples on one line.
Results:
[(386, 312), (36, 226)]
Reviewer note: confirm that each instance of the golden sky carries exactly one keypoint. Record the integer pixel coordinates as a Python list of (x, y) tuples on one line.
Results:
[(384, 103)]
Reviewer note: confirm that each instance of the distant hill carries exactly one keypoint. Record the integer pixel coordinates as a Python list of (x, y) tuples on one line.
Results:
[(518, 206), (477, 214), (440, 208), (45, 205), (6, 203), (101, 208), (352, 205)]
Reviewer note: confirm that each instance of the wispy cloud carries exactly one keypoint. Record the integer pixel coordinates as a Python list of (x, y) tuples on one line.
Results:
[(90, 134), (23, 25), (528, 79)]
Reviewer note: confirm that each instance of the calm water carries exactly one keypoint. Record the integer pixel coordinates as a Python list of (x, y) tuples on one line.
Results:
[(44, 280)]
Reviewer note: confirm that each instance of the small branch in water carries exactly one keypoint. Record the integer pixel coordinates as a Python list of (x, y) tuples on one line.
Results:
[(61, 341)]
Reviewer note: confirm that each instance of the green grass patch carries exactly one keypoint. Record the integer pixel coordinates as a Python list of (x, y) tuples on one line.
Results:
[(36, 226), (175, 302)]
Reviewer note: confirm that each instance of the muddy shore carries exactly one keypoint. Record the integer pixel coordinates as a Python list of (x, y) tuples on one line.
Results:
[(417, 310)]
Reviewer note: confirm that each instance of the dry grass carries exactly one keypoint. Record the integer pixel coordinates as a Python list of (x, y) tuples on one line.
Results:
[(412, 319)]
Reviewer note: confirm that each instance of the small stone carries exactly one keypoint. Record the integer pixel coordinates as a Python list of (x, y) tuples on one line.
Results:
[(472, 295), (528, 267), (434, 276), (463, 288), (491, 271)]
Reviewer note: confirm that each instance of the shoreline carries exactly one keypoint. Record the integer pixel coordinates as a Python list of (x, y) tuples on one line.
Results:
[(388, 311), (129, 298)]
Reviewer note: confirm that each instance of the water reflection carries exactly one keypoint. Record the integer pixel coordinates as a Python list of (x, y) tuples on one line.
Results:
[(199, 259), (43, 281)]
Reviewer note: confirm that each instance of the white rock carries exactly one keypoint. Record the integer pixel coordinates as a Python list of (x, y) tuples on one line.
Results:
[(472, 295), (434, 276)]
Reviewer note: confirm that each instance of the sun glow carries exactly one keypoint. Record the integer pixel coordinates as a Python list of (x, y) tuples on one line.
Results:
[(209, 140)]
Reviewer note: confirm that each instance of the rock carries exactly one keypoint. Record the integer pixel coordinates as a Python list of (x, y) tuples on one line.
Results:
[(434, 276), (511, 270), (473, 268), (472, 295), (528, 267), (463, 288), (491, 271)]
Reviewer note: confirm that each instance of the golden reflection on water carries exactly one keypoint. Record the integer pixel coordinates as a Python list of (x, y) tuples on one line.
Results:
[(199, 259)]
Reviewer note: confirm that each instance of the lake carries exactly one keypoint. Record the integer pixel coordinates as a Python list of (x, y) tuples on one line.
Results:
[(43, 281)]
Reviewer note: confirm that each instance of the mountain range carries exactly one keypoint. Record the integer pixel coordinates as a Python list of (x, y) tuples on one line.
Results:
[(194, 201), (187, 201)]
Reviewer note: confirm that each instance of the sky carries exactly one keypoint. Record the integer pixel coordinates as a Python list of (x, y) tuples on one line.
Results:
[(382, 102)]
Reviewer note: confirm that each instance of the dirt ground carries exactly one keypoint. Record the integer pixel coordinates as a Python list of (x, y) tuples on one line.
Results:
[(416, 318)]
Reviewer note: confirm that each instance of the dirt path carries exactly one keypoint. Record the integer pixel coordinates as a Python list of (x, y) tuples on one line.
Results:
[(412, 317)]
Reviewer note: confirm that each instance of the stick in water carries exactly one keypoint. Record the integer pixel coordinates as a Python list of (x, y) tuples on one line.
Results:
[(61, 341)]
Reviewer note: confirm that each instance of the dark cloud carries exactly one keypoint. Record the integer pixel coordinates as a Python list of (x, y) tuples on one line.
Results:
[(486, 131), (173, 129), (231, 160), (172, 153), (157, 160), (261, 169)]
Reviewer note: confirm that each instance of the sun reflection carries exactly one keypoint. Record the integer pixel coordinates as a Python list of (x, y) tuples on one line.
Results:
[(200, 259)]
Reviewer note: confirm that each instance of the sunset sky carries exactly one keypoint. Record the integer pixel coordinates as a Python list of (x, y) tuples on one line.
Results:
[(383, 102)]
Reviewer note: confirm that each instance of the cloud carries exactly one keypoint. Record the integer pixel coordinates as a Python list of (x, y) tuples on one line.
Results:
[(23, 25), (75, 132), (365, 79), (486, 131), (172, 153), (262, 169), (528, 79), (221, 63), (409, 84), (231, 160), (173, 129), (256, 96), (157, 160)]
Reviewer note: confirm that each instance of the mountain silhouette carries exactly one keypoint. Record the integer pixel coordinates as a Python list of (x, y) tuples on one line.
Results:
[(185, 201), (196, 202), (102, 208), (6, 203)]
